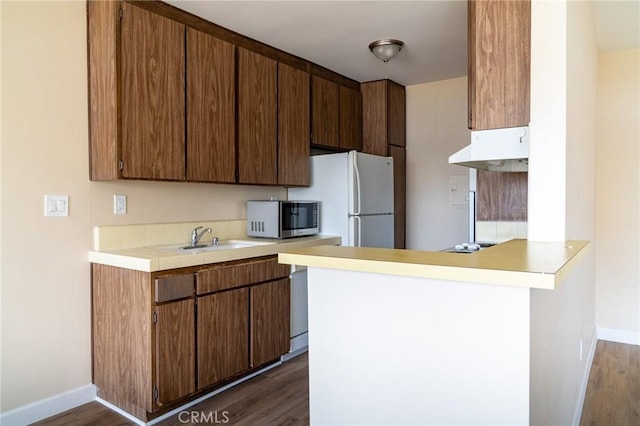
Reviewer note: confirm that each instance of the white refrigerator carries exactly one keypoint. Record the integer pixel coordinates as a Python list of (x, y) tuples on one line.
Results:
[(355, 192)]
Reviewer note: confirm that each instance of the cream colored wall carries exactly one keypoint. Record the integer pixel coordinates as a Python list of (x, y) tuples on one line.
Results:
[(562, 202), (582, 65), (46, 320), (436, 128), (547, 136), (618, 197)]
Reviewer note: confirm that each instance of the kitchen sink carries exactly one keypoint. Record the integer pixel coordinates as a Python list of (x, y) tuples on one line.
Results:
[(222, 245)]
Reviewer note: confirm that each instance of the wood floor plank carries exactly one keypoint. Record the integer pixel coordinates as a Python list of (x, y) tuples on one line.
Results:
[(92, 413), (277, 397), (613, 391), (281, 396)]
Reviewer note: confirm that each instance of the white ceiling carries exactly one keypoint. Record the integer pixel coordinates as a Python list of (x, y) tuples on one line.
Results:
[(336, 34)]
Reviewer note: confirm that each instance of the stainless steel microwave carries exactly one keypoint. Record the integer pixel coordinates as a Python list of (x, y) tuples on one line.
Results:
[(282, 219)]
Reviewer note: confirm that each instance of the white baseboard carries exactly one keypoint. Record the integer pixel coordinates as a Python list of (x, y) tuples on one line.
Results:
[(582, 392), (57, 404), (299, 342), (48, 407), (620, 336)]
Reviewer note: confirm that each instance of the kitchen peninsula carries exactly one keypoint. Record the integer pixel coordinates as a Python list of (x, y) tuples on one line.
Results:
[(411, 337)]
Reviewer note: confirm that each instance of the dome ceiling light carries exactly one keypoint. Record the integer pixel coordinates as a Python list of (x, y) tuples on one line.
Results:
[(386, 48)]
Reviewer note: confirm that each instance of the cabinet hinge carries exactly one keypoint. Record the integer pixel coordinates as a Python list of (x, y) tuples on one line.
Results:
[(121, 14), (155, 318), (155, 393), (121, 165)]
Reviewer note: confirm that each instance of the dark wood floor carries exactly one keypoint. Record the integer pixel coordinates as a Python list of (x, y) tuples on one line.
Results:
[(613, 393), (281, 397)]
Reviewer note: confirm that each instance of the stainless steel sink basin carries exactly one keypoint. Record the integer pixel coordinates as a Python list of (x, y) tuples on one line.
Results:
[(222, 245)]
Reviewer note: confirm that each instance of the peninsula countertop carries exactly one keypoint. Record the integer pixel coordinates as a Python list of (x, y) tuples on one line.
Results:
[(518, 263), (159, 258)]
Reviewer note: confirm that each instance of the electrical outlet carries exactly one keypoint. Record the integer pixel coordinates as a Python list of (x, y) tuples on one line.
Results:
[(119, 204)]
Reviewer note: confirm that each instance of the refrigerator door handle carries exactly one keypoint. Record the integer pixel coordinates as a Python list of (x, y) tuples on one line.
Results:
[(357, 240), (356, 192)]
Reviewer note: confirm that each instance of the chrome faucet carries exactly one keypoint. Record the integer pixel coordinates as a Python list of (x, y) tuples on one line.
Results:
[(195, 236)]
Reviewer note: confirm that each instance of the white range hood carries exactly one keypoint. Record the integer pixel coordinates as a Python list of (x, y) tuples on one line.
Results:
[(498, 150)]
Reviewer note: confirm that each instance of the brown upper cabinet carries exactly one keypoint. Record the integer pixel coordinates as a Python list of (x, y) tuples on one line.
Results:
[(152, 49), (384, 116), (211, 103), (293, 126), (383, 124), (257, 139), (502, 197), (350, 119), (175, 97), (499, 58), (325, 101), (336, 115), (169, 121)]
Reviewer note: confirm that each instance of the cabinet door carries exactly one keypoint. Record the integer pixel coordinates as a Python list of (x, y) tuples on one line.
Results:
[(223, 336), (324, 112), (399, 193), (501, 196), (374, 117), (175, 368), (211, 126), (396, 114), (257, 145), (270, 323), (153, 145), (350, 119), (499, 52), (293, 126)]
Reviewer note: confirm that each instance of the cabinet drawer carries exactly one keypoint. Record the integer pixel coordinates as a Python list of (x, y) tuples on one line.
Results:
[(173, 287), (230, 276)]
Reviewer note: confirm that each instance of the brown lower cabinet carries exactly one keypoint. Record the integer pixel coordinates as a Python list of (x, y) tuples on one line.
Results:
[(161, 339), (223, 317), (174, 351), (269, 316)]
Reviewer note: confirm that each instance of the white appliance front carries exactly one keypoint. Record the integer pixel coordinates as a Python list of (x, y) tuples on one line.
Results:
[(371, 231), (299, 310), (334, 182), (371, 180)]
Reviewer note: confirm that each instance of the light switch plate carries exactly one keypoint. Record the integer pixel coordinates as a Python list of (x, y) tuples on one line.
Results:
[(459, 190), (56, 205), (119, 204)]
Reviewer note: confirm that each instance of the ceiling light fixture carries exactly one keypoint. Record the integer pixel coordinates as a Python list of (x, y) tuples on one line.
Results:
[(386, 48)]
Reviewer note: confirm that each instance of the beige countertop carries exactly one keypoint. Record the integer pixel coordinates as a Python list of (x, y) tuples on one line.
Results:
[(518, 263), (159, 258)]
